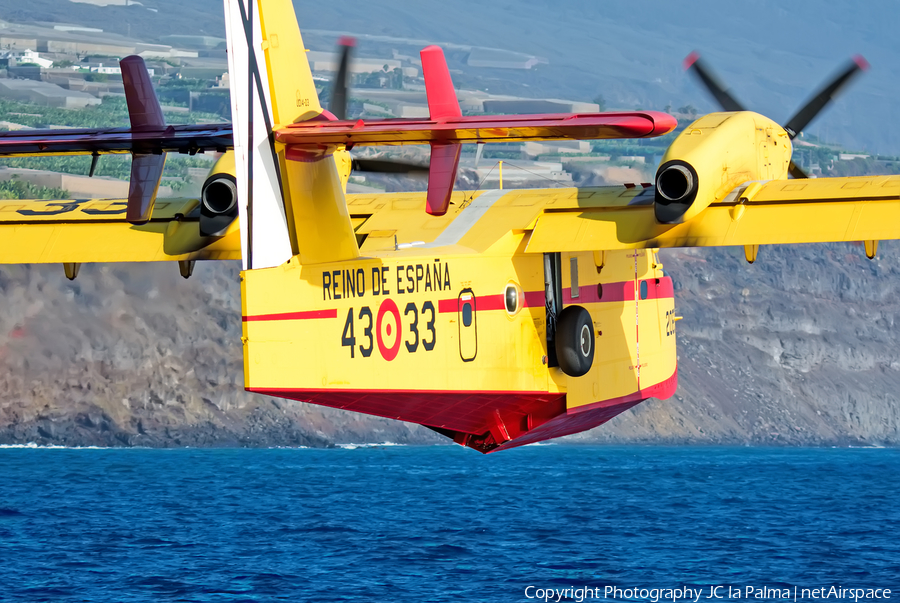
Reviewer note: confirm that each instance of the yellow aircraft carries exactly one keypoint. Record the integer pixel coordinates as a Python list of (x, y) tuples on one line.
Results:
[(497, 318)]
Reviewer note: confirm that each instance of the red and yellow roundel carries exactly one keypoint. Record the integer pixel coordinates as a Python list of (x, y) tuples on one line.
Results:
[(387, 328)]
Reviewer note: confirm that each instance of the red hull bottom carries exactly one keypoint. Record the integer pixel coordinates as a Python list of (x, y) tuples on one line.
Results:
[(485, 421)]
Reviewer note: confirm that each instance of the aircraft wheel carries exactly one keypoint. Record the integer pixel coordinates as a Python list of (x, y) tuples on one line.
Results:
[(575, 341)]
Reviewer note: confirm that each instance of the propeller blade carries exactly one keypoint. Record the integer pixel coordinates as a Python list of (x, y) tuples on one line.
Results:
[(387, 166), (818, 102), (795, 171), (339, 88), (715, 87)]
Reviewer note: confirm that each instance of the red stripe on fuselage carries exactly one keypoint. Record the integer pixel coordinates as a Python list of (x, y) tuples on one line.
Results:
[(620, 291), (448, 305), (492, 302), (657, 288), (612, 292), (293, 315)]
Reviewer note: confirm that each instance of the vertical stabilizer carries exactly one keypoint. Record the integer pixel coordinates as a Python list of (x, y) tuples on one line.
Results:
[(291, 199), (293, 92), (265, 238)]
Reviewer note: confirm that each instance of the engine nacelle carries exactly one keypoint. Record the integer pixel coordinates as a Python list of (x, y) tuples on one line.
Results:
[(218, 198), (712, 156)]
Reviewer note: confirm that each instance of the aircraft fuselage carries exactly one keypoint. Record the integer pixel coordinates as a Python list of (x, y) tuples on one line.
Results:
[(458, 332)]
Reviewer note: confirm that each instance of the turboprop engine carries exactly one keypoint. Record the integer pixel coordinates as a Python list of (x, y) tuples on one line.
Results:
[(719, 151), (712, 156)]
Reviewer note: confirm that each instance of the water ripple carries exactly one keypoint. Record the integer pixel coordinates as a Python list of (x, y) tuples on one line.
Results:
[(439, 524)]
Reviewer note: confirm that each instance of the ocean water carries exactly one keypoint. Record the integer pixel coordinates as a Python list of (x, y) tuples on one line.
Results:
[(447, 524)]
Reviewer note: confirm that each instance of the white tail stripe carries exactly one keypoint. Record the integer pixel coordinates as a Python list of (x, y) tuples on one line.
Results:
[(266, 241)]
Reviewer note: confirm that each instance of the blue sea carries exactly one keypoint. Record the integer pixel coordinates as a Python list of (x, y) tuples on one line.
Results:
[(447, 524)]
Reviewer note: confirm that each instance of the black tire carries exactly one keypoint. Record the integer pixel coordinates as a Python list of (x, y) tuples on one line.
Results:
[(575, 341)]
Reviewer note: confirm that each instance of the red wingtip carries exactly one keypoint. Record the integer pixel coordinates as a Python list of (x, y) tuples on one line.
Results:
[(861, 61), (144, 110), (690, 60), (347, 41), (439, 90)]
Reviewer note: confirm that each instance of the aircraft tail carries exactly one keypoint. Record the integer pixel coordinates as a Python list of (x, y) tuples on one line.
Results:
[(291, 199)]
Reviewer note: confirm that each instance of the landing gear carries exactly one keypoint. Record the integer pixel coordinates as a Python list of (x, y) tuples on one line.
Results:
[(575, 341)]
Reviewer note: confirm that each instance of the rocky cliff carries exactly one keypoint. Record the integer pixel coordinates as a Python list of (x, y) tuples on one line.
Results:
[(799, 348)]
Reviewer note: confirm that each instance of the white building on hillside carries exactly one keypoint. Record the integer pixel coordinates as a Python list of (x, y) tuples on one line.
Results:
[(20, 57), (108, 69)]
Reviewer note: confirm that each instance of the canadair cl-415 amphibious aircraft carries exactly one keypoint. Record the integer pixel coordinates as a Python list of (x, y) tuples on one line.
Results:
[(497, 318)]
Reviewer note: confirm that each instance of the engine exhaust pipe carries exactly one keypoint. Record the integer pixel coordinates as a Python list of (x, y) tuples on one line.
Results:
[(676, 189), (218, 204)]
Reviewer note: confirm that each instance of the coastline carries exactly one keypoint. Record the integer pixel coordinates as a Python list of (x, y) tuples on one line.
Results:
[(798, 349)]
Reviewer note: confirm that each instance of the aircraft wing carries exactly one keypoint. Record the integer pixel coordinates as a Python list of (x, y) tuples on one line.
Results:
[(96, 230), (477, 128), (176, 139), (776, 212), (148, 140)]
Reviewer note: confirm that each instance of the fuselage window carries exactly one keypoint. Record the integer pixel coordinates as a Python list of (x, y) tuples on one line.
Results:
[(467, 314), (512, 299)]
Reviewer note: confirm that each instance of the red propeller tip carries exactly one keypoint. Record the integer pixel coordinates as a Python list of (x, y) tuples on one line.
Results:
[(862, 62), (347, 41), (690, 60)]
